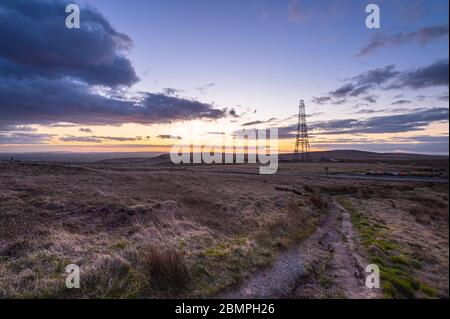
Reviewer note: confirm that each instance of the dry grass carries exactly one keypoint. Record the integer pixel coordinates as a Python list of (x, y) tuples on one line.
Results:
[(142, 231), (426, 215), (406, 234), (112, 221), (165, 268), (318, 202)]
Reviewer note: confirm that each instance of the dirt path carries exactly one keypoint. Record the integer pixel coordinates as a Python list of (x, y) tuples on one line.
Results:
[(326, 265)]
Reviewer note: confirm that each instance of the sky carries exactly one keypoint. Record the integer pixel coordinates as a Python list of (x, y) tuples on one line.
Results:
[(143, 75)]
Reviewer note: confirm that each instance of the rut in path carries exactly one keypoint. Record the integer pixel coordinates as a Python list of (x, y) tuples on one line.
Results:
[(329, 256)]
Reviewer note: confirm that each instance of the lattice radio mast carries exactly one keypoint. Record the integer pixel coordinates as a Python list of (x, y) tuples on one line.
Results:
[(301, 152)]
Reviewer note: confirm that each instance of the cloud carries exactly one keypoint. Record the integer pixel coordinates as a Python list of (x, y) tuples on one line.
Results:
[(405, 121), (401, 102), (85, 130), (370, 98), (51, 75), (16, 128), (98, 139), (360, 90), (24, 138), (64, 125), (81, 139), (204, 88), (216, 133), (421, 36), (365, 81), (339, 102), (388, 78), (369, 111), (389, 110), (169, 137), (163, 108), (433, 75), (424, 139), (443, 97), (438, 148), (171, 91), (376, 76), (36, 42), (259, 122), (233, 113), (119, 138), (344, 90), (252, 123), (321, 100), (47, 101)]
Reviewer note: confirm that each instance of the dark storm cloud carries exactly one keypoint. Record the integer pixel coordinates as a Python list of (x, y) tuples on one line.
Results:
[(43, 101), (51, 75), (35, 41), (421, 36), (162, 108)]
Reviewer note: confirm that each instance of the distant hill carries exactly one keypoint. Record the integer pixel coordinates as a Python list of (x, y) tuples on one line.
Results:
[(73, 156), (159, 158), (324, 156)]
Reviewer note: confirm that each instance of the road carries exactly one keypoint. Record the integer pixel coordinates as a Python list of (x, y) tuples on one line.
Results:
[(438, 180), (424, 179)]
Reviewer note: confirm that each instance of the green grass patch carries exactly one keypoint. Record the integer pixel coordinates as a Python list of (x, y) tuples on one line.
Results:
[(224, 264), (396, 266)]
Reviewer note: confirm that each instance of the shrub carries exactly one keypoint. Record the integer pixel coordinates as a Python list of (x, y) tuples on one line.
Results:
[(111, 277), (318, 202), (164, 268), (295, 214)]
